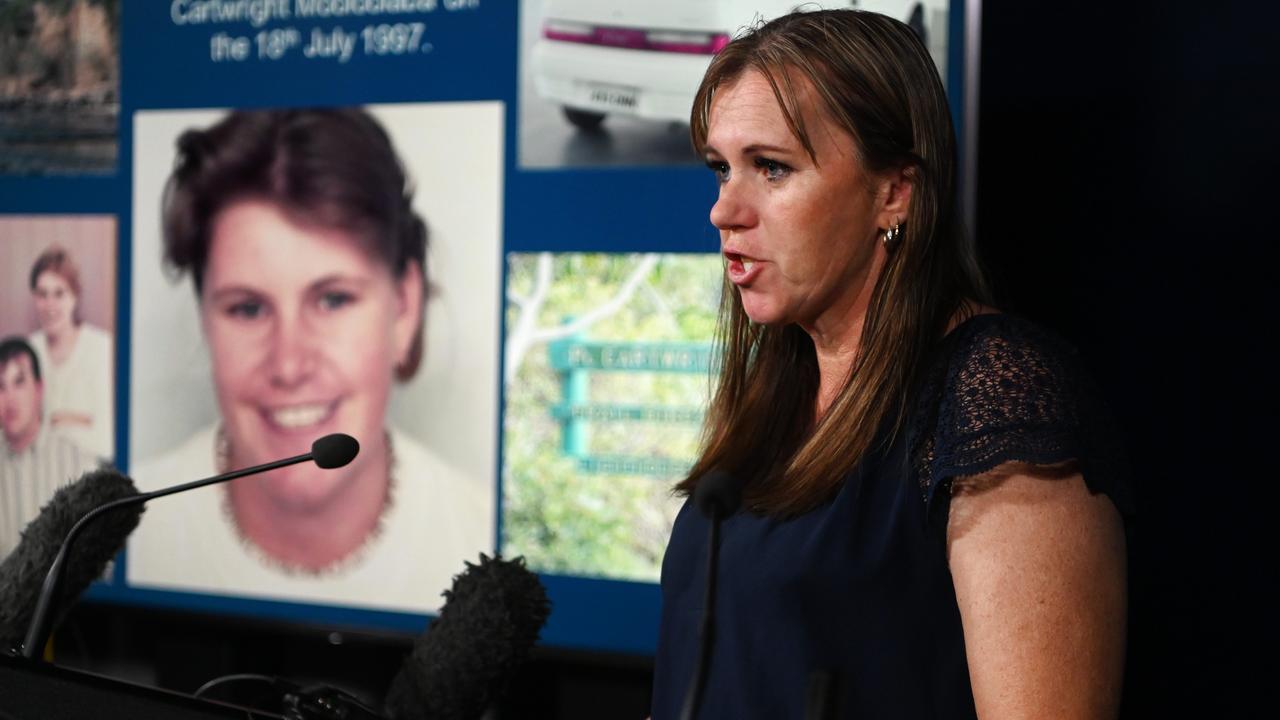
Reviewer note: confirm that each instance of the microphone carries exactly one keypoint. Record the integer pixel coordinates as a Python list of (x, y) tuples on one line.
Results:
[(717, 495), (490, 619), (21, 571), (330, 451), (334, 451)]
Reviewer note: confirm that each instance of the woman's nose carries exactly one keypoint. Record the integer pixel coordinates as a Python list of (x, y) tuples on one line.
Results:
[(293, 349), (734, 208)]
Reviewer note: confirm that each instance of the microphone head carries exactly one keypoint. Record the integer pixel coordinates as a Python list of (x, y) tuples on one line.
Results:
[(718, 494), (22, 573), (334, 451), (462, 664)]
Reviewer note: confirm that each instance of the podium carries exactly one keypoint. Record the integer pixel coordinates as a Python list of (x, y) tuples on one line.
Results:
[(39, 691)]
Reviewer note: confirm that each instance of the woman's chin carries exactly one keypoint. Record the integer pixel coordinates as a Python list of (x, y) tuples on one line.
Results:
[(764, 313), (55, 329), (307, 489)]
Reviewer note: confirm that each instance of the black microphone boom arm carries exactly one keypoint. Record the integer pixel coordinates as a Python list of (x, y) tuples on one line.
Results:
[(38, 631)]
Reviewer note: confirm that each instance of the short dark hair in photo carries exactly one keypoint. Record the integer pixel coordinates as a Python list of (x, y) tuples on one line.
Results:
[(332, 167), (14, 347)]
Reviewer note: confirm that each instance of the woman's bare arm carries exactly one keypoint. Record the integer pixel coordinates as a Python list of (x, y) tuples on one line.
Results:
[(1039, 569)]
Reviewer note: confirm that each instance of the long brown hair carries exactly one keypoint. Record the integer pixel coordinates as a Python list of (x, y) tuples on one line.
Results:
[(874, 78)]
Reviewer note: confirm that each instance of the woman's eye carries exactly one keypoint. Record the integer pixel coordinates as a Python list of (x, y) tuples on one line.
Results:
[(334, 299), (773, 169), (720, 168), (246, 309)]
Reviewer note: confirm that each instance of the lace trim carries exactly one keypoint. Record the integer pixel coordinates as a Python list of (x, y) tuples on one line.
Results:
[(1003, 390), (335, 568)]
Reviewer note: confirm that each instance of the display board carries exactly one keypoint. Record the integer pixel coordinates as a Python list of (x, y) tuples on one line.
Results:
[(471, 232)]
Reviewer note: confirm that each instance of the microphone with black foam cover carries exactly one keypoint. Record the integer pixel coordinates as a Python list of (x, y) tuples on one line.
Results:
[(717, 495), (464, 661), (24, 570), (330, 451), (334, 451)]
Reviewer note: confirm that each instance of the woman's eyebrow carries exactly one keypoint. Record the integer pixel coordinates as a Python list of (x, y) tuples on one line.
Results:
[(752, 149), (335, 278), (232, 291), (764, 148)]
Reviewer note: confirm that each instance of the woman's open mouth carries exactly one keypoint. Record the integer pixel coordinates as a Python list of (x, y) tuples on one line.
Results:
[(741, 269)]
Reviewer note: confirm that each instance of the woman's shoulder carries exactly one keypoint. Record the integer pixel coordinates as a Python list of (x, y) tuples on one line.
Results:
[(995, 370), (994, 336), (459, 505), (94, 338), (98, 335), (412, 454), (1006, 364), (426, 467), (1004, 389)]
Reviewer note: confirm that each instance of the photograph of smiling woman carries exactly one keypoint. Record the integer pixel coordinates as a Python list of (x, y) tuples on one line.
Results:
[(308, 261), (77, 357)]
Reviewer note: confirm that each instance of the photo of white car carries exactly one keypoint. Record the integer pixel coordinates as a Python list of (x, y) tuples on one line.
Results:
[(602, 64)]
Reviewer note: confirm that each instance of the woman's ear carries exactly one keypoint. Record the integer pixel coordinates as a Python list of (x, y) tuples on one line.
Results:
[(893, 197), (407, 327)]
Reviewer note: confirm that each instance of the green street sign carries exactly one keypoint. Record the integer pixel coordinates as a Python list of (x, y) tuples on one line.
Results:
[(606, 412), (621, 465), (631, 356)]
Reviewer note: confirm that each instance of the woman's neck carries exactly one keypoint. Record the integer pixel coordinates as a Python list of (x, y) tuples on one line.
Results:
[(837, 336), (61, 342), (316, 537), (837, 351), (835, 355)]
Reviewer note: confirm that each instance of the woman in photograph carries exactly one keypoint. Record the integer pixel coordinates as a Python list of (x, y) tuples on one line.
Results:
[(76, 357), (929, 522), (309, 266)]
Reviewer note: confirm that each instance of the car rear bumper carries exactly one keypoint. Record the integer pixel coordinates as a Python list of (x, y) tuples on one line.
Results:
[(641, 83)]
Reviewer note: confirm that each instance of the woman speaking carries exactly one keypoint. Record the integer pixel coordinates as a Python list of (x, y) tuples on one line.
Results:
[(929, 525)]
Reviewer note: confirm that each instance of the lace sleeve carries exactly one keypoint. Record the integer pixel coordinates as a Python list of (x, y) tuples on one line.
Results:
[(1004, 391)]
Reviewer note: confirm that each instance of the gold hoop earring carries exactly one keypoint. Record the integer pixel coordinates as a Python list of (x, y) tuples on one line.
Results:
[(893, 236)]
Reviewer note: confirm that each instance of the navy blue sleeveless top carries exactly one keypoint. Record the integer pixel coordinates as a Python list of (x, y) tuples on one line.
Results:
[(858, 590)]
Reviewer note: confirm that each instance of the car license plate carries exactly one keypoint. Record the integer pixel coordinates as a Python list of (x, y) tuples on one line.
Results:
[(613, 97)]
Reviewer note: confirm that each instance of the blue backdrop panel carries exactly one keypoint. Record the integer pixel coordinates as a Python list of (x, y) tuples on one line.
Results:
[(298, 53)]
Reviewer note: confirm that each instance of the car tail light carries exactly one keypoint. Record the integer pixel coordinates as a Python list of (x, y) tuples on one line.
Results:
[(568, 31), (671, 41), (686, 42)]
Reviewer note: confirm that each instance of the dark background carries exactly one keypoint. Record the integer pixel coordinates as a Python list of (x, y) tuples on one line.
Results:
[(1126, 171), (1125, 196)]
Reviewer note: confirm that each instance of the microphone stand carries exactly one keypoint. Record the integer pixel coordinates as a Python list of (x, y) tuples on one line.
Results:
[(706, 631), (38, 630)]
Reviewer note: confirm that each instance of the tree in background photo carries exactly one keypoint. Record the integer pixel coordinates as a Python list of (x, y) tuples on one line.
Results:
[(607, 374), (59, 86)]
